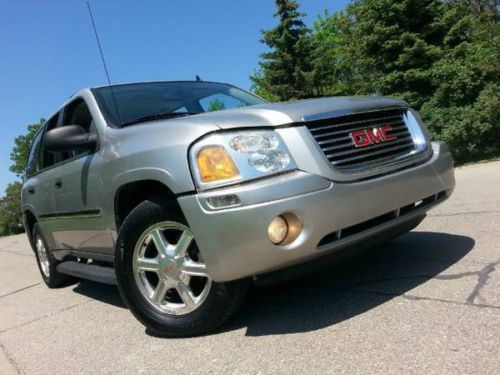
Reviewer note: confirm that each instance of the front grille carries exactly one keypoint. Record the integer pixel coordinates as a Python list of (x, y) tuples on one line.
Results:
[(334, 138)]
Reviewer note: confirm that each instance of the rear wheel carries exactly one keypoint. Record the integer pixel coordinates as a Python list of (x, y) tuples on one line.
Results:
[(162, 277), (46, 261)]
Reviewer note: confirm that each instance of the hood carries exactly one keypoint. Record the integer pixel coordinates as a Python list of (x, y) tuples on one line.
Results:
[(276, 114)]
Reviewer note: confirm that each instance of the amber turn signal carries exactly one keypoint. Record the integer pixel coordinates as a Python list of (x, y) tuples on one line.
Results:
[(214, 163)]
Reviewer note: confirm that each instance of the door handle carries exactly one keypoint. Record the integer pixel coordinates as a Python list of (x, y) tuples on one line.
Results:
[(31, 190), (58, 184)]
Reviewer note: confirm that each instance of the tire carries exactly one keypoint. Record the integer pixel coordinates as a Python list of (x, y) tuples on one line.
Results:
[(46, 261), (169, 290)]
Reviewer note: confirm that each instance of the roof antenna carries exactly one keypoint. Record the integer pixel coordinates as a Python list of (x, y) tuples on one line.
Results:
[(104, 62), (198, 79)]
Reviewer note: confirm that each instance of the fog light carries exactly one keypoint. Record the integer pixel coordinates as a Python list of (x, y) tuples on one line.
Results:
[(277, 230)]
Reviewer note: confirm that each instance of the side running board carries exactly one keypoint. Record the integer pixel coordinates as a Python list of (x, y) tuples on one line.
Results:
[(101, 274)]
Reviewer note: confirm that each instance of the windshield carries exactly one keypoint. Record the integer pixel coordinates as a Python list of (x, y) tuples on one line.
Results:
[(140, 102)]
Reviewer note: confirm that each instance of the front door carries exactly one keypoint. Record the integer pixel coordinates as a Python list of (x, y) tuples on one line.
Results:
[(79, 223)]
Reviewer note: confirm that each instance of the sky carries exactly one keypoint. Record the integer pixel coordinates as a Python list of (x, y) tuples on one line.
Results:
[(48, 50)]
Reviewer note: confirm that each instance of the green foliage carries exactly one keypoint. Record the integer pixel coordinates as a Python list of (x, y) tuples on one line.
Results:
[(464, 109), (441, 56), (285, 70), (332, 54), (10, 210), (10, 203), (215, 105), (397, 44), (22, 144)]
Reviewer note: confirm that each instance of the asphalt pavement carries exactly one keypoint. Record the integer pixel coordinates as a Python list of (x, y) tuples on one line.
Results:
[(427, 302)]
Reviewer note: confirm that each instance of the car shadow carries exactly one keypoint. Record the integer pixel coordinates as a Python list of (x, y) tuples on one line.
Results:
[(337, 293), (350, 288), (102, 292)]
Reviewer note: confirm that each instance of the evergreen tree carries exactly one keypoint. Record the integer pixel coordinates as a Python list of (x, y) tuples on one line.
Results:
[(464, 109), (285, 70), (442, 56), (398, 42)]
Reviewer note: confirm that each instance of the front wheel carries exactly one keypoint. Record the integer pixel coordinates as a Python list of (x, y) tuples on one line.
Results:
[(162, 277)]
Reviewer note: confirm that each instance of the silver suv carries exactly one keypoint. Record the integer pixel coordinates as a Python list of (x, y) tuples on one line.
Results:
[(183, 192)]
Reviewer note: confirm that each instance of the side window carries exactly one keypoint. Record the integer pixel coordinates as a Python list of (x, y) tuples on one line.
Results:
[(217, 102), (181, 109), (77, 113), (32, 164), (49, 158)]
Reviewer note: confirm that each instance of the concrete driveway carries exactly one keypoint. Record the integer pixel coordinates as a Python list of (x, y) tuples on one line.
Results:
[(428, 302)]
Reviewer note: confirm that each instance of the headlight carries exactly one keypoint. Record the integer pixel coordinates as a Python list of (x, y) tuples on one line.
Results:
[(222, 159)]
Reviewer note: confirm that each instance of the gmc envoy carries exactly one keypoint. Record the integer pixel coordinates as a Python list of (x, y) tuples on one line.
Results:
[(182, 193)]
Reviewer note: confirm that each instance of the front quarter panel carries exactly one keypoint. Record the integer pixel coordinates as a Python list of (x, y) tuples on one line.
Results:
[(152, 151)]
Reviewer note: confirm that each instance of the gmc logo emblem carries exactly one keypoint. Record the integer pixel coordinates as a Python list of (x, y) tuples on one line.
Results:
[(366, 137)]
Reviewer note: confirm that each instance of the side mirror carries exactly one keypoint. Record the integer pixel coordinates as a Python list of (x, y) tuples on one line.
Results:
[(69, 138)]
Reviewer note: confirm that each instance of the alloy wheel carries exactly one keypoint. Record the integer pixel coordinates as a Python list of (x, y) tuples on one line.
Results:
[(168, 269), (43, 256)]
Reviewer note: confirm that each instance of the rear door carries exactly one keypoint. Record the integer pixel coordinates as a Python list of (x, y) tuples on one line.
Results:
[(37, 194), (79, 225)]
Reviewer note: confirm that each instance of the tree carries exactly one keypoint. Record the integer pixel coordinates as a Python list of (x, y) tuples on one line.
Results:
[(22, 144), (10, 210), (398, 42), (482, 7), (10, 204), (215, 105), (464, 109), (332, 56), (442, 56), (285, 71)]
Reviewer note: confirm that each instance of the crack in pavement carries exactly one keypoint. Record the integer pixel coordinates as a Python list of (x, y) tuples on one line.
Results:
[(19, 290), (483, 276), (11, 363), (45, 316), (418, 298), (96, 299), (16, 253)]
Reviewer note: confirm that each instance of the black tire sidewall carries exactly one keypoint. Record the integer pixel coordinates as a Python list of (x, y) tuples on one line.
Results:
[(221, 302)]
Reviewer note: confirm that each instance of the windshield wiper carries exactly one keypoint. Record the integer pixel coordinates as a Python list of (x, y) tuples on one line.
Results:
[(158, 116)]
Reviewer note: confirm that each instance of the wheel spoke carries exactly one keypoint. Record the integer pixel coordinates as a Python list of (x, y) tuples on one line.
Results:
[(158, 252), (147, 264), (186, 294), (194, 268), (160, 241), (183, 243), (160, 291)]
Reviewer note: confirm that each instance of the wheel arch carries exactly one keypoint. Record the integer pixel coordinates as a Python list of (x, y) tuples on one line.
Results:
[(29, 222), (130, 194)]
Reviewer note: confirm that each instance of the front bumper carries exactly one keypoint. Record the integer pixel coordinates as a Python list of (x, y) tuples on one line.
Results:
[(233, 242)]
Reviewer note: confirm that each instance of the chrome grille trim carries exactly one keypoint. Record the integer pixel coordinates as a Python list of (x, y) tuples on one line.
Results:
[(400, 134), (406, 139), (357, 122), (383, 151), (333, 136), (338, 139)]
